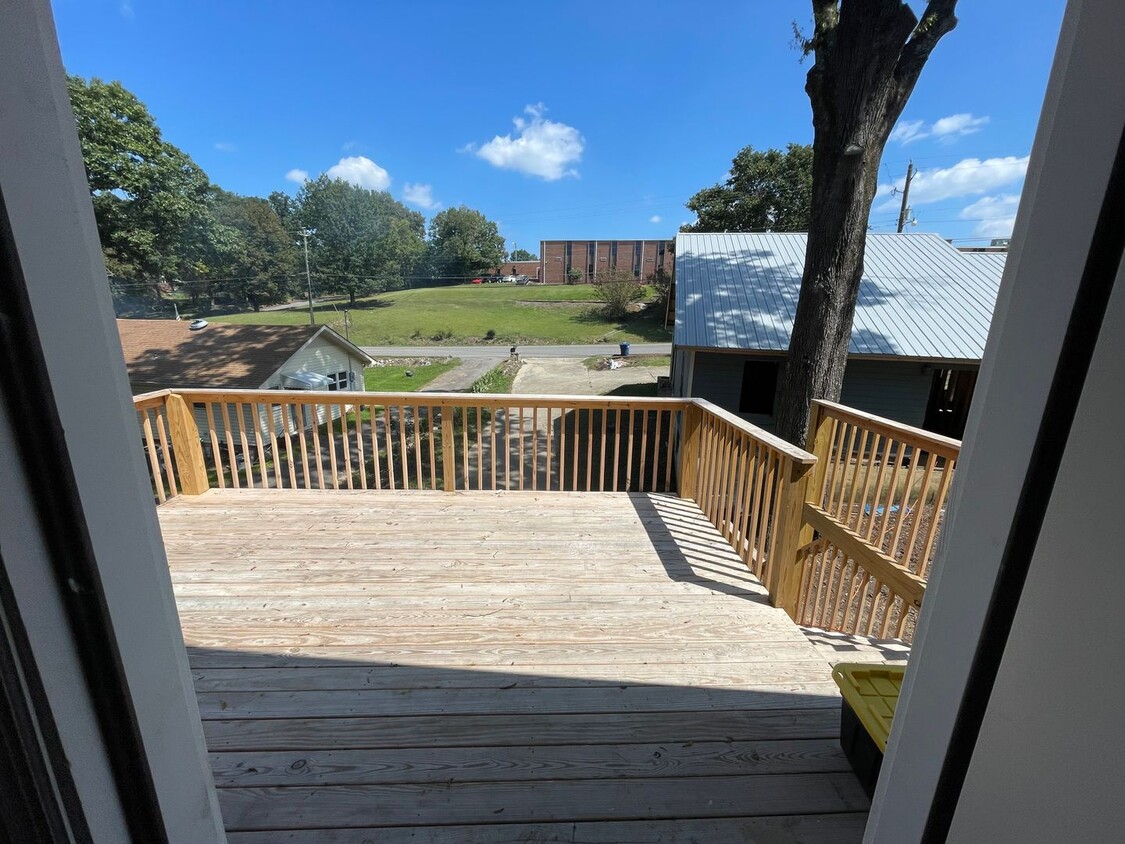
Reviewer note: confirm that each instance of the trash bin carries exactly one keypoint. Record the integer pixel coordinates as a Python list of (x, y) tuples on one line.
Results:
[(624, 350), (870, 695)]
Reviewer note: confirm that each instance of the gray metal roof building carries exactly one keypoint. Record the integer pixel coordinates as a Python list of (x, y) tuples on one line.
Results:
[(920, 298)]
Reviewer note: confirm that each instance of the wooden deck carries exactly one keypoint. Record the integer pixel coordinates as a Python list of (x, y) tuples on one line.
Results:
[(492, 667)]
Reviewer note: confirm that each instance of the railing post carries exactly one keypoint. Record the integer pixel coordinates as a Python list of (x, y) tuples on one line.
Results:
[(689, 450), (185, 446), (805, 484), (785, 573), (448, 455)]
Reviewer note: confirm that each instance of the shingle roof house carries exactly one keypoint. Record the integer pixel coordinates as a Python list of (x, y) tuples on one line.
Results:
[(921, 323), (161, 354)]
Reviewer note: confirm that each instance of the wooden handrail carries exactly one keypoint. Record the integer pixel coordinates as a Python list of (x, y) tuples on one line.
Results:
[(876, 503), (797, 455), (908, 434)]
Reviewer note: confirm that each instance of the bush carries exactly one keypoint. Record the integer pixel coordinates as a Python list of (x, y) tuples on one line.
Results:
[(661, 282), (573, 275), (617, 290), (490, 335)]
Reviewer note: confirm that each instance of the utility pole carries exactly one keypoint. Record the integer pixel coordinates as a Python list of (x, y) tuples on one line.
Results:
[(308, 276), (905, 195)]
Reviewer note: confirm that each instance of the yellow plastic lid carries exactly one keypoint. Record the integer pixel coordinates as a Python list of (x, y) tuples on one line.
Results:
[(872, 692)]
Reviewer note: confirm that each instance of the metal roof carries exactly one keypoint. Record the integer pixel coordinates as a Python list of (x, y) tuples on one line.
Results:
[(919, 297)]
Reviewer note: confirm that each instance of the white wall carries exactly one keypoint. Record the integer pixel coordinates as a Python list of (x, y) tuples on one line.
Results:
[(45, 190), (1050, 761), (1073, 152)]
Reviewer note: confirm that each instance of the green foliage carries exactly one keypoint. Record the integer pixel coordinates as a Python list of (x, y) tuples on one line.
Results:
[(499, 379), (770, 190), (617, 290), (573, 275), (152, 203), (365, 241), (463, 242), (259, 255), (661, 282), (522, 255)]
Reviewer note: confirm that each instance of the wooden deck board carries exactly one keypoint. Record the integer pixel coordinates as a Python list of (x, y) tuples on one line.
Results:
[(499, 667)]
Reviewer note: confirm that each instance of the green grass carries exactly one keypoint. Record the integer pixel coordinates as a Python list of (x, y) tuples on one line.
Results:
[(464, 315), (393, 379), (499, 379)]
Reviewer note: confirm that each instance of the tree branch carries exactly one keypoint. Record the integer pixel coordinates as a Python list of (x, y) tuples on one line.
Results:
[(937, 21)]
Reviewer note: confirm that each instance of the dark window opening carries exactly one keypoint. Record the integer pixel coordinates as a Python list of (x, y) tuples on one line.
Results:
[(950, 396), (759, 387)]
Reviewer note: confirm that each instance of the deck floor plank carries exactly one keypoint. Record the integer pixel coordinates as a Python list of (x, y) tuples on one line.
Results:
[(499, 667)]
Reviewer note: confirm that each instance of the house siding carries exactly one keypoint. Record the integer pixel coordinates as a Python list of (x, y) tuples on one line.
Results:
[(898, 390), (322, 357)]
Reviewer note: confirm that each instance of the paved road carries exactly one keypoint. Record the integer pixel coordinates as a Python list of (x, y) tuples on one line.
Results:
[(500, 352)]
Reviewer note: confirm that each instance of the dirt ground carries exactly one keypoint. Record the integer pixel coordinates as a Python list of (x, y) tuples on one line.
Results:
[(571, 377)]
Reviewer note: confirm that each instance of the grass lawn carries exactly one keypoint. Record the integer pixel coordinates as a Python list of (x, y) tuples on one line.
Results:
[(466, 314), (393, 379)]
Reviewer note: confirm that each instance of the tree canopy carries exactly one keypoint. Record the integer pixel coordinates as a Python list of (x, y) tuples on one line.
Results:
[(260, 258), (364, 240), (463, 241), (153, 204), (766, 190), (522, 255)]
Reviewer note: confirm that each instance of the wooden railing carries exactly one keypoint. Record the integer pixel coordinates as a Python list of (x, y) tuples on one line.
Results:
[(874, 509), (751, 485), (403, 441)]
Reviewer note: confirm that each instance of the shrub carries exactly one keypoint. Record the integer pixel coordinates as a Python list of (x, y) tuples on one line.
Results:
[(661, 282), (617, 290), (573, 275), (490, 335)]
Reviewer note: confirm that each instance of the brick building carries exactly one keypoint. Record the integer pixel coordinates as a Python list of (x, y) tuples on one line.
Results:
[(641, 257)]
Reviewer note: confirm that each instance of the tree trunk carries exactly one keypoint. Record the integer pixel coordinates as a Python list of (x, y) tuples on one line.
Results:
[(869, 54)]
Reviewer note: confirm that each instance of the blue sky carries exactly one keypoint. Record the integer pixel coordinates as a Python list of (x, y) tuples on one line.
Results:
[(556, 119)]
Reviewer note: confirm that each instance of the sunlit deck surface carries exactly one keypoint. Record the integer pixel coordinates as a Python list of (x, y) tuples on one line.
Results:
[(425, 667)]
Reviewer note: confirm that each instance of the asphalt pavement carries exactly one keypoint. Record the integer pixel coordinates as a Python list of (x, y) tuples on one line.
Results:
[(499, 352)]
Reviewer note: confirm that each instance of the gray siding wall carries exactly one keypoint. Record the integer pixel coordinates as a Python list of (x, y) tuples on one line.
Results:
[(896, 390)]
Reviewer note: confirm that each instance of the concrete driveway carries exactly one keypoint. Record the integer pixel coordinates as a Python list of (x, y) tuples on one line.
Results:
[(570, 377)]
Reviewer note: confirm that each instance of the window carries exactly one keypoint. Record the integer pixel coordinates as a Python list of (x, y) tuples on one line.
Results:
[(338, 380), (759, 386)]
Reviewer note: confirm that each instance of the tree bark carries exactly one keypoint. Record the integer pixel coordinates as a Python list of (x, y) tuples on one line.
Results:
[(869, 54)]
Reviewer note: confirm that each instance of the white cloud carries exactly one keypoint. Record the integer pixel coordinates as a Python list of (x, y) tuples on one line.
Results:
[(655, 218), (224, 146), (541, 147), (297, 175), (967, 177), (906, 131), (361, 172), (958, 124), (420, 195), (945, 129), (995, 215)]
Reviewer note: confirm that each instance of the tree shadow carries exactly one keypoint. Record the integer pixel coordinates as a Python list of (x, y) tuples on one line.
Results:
[(746, 298)]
